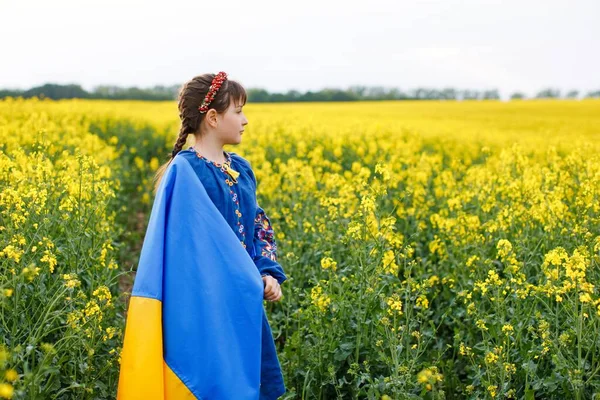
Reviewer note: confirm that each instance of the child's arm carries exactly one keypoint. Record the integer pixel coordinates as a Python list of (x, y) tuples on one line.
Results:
[(265, 247), (266, 256)]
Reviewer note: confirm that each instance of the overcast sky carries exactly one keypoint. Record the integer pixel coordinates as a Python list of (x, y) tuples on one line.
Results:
[(304, 45)]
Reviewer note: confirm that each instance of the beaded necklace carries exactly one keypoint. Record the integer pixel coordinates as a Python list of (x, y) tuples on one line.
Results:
[(230, 181)]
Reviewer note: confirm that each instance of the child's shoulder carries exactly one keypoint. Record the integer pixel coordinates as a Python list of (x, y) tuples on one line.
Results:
[(240, 160), (188, 153), (242, 164)]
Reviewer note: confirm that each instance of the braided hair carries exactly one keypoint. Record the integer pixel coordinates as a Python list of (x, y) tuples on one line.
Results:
[(190, 98)]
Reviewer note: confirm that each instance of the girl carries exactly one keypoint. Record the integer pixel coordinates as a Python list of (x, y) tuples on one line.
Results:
[(196, 325)]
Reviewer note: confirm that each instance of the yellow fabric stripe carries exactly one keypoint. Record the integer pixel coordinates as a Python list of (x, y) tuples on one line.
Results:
[(143, 374), (174, 388)]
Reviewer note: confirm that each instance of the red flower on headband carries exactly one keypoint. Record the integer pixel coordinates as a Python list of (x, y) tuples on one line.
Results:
[(212, 91)]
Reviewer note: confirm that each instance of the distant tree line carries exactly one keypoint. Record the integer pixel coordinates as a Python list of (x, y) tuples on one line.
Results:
[(353, 93)]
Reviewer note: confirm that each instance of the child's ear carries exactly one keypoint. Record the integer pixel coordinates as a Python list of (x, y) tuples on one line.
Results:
[(211, 117)]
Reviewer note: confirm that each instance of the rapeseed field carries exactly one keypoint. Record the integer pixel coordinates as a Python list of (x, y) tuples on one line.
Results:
[(433, 249)]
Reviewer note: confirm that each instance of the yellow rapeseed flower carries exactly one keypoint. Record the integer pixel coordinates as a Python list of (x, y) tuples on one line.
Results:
[(328, 263), (507, 328), (11, 375), (319, 299), (6, 391), (491, 358), (394, 304), (504, 248)]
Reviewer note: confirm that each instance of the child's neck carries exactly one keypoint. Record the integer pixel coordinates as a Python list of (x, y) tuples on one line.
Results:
[(212, 153)]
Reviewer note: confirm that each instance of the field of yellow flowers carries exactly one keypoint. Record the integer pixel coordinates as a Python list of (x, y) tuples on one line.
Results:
[(433, 249)]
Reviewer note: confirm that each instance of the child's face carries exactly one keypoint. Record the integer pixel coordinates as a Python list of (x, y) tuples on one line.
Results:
[(232, 123)]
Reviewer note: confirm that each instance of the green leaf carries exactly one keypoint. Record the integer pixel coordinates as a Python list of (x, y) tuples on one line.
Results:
[(529, 394)]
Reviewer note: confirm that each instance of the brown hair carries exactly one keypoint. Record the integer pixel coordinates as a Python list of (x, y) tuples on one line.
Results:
[(190, 98)]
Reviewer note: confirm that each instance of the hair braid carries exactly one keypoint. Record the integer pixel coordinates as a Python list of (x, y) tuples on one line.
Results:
[(187, 127)]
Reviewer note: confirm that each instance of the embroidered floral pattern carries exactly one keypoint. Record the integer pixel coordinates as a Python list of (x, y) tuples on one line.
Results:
[(264, 233), (241, 231)]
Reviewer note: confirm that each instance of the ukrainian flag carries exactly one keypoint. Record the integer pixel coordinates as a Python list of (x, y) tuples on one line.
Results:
[(196, 326)]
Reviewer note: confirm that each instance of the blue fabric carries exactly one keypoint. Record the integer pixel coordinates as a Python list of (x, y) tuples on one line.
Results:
[(214, 180), (216, 336)]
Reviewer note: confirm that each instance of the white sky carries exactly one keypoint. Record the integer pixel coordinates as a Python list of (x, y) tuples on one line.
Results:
[(511, 45)]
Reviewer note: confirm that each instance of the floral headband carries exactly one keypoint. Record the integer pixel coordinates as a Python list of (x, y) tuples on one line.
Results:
[(212, 91)]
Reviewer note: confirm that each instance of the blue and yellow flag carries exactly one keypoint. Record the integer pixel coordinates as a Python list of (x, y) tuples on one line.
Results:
[(196, 326)]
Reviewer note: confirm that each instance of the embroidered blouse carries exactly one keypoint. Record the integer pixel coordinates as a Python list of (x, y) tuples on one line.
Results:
[(235, 197)]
